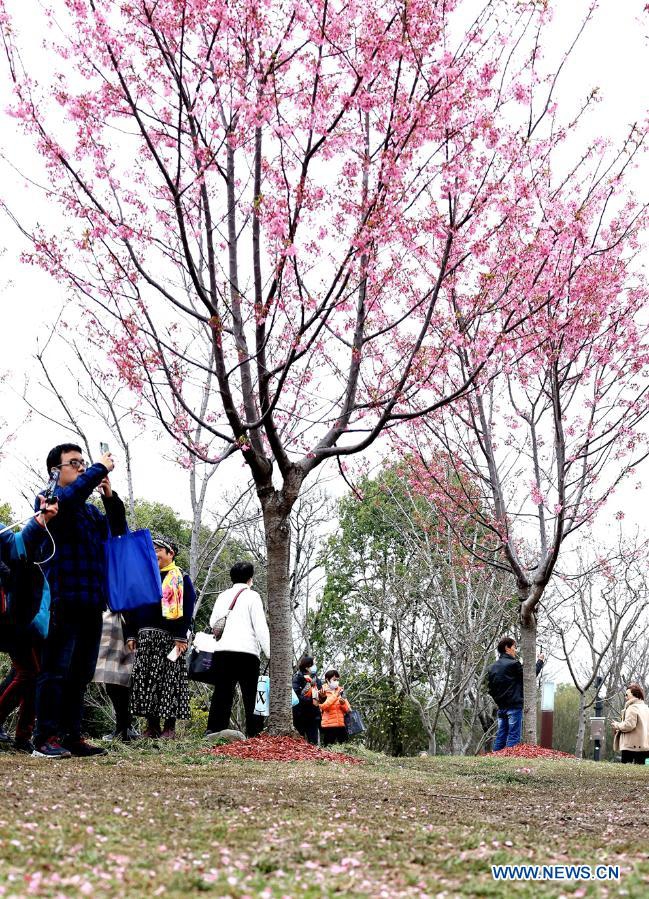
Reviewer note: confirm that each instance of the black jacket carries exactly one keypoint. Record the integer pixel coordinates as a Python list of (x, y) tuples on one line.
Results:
[(306, 710), (505, 682)]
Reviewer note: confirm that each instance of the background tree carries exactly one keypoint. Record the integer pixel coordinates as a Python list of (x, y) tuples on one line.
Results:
[(412, 620), (602, 617), (81, 396)]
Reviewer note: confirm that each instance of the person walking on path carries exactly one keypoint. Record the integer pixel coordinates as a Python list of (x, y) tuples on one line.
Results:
[(505, 685), (159, 634), (236, 653), (632, 732), (76, 575)]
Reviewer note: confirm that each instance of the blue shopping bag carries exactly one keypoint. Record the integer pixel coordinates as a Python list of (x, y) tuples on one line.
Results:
[(132, 573)]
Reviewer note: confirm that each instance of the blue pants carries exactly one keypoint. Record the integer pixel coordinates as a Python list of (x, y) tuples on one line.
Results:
[(509, 728), (68, 665)]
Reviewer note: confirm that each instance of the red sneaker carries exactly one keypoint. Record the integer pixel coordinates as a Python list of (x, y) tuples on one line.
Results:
[(51, 749)]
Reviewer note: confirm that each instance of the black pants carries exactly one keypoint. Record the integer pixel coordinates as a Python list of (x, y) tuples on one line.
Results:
[(333, 735), (68, 664), (631, 757), (307, 728), (228, 670), (120, 697)]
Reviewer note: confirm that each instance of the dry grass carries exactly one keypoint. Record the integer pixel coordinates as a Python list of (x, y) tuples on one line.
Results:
[(147, 822)]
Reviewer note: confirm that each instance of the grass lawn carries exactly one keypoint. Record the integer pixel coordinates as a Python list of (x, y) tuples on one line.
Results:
[(154, 822)]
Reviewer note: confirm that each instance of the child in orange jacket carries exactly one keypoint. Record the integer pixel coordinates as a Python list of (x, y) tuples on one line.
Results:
[(333, 708)]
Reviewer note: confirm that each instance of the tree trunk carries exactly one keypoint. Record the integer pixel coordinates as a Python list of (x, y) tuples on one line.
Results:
[(194, 545), (130, 505), (528, 651), (581, 727), (277, 530), (456, 707)]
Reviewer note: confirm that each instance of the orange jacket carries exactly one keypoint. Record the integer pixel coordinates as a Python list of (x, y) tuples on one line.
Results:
[(333, 709)]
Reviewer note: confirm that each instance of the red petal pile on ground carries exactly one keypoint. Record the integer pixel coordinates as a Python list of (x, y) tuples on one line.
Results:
[(527, 751), (280, 749)]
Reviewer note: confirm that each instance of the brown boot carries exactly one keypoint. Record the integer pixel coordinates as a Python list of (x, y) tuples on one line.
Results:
[(152, 729), (169, 729)]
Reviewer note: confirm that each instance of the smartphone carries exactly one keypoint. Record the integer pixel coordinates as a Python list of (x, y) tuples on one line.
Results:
[(103, 448), (52, 484), (174, 654)]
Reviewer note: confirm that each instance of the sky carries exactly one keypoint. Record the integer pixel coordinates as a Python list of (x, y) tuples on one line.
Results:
[(611, 56)]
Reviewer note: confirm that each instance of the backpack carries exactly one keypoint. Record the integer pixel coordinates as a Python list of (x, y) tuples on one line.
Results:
[(24, 597)]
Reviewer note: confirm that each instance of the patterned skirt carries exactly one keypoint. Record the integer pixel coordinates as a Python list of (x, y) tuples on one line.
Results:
[(159, 688)]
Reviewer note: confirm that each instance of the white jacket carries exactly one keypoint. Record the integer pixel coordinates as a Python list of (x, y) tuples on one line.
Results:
[(246, 629)]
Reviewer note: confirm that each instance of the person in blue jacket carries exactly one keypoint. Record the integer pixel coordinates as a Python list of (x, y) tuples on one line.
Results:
[(18, 638), (76, 576)]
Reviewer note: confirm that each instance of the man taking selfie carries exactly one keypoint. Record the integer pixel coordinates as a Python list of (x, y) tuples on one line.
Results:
[(76, 577)]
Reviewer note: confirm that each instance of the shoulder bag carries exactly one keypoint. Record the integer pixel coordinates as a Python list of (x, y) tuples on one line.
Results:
[(219, 624)]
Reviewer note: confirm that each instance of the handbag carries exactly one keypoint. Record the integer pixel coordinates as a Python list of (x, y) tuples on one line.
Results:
[(199, 667), (219, 624), (132, 573), (354, 723)]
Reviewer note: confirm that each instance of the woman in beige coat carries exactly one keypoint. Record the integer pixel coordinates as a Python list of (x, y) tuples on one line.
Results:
[(632, 732)]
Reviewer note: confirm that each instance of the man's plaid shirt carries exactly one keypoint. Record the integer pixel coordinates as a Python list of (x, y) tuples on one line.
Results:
[(76, 572)]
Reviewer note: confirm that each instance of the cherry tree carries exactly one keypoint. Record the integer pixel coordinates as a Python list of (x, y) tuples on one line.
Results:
[(294, 197), (555, 420)]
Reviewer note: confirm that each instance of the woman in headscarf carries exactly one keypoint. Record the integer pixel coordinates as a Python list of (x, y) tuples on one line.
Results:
[(159, 633)]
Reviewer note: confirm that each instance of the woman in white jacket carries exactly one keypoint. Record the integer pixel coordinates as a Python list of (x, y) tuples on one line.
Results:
[(236, 653), (632, 732)]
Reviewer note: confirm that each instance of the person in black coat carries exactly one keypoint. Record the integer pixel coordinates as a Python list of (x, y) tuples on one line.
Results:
[(505, 685), (307, 686)]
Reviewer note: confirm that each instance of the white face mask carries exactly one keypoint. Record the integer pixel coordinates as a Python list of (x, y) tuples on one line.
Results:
[(334, 683), (313, 669)]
